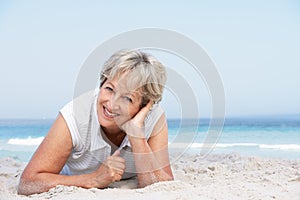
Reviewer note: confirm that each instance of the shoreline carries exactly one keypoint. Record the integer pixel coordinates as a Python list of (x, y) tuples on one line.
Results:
[(216, 176)]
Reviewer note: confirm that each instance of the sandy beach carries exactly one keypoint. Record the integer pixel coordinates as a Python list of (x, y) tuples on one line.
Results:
[(219, 176)]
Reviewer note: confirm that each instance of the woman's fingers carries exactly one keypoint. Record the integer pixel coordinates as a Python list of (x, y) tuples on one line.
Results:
[(116, 166), (138, 120), (117, 163), (116, 153), (142, 114), (134, 127)]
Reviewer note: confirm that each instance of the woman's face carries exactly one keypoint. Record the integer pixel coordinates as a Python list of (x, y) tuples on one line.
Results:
[(117, 104)]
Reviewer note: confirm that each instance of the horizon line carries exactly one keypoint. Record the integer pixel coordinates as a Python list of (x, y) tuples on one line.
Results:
[(173, 118)]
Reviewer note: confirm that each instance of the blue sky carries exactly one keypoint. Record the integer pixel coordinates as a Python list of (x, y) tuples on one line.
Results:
[(254, 44)]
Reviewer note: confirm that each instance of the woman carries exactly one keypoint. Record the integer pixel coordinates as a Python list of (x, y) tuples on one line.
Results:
[(116, 132)]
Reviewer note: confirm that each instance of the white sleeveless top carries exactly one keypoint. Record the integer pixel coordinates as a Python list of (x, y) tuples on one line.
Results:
[(90, 150)]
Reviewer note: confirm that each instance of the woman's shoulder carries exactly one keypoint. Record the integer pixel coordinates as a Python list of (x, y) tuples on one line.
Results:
[(152, 118), (80, 107), (155, 113), (77, 114)]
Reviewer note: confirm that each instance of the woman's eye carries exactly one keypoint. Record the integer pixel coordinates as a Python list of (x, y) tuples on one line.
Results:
[(128, 99), (109, 88)]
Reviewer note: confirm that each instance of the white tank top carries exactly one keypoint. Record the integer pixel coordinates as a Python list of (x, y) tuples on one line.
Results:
[(90, 150)]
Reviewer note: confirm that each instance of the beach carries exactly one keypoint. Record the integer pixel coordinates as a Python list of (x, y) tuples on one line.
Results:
[(216, 176), (252, 159)]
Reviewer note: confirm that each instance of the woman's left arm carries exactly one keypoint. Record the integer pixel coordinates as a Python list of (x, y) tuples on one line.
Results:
[(151, 157)]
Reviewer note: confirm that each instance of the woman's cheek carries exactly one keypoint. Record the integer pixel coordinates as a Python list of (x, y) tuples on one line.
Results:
[(129, 111)]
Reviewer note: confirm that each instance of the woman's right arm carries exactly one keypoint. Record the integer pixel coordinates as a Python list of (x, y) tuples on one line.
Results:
[(42, 172)]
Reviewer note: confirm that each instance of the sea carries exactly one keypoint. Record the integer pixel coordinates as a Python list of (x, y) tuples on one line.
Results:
[(269, 137)]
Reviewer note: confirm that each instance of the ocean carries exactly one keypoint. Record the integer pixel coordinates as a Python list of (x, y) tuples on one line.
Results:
[(270, 137)]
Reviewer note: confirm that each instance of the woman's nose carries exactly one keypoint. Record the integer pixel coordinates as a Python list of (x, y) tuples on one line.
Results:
[(114, 102)]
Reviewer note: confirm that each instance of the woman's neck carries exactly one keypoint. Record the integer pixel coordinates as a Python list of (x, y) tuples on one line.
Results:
[(114, 136)]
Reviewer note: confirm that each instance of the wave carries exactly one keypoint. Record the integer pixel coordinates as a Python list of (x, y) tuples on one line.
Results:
[(224, 145), (262, 146), (281, 146), (29, 141), (294, 147)]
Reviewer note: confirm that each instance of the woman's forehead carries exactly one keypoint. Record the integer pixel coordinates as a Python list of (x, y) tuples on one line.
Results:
[(128, 80), (126, 84)]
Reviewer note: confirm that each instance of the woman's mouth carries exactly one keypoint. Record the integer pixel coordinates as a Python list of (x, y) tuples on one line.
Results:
[(109, 114)]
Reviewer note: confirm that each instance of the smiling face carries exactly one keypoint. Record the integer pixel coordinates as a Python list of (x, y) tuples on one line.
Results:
[(117, 103)]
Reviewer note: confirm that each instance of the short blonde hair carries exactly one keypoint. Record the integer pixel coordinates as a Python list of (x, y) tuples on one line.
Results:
[(145, 71)]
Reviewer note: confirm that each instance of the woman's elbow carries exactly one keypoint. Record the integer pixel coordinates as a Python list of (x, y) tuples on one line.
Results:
[(22, 187), (168, 177), (27, 185)]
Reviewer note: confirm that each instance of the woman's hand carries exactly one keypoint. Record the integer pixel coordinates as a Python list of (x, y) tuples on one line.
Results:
[(134, 127), (151, 156), (110, 171)]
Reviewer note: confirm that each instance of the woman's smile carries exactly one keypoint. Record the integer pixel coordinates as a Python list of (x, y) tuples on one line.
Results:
[(109, 114)]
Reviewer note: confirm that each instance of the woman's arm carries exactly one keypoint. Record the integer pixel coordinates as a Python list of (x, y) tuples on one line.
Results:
[(151, 157), (42, 172)]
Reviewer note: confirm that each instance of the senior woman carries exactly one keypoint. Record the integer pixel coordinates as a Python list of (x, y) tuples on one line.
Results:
[(116, 132)]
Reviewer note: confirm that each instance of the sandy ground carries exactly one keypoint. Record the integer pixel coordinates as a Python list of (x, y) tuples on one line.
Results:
[(226, 176)]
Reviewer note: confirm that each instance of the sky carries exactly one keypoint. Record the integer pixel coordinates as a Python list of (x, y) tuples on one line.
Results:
[(255, 46)]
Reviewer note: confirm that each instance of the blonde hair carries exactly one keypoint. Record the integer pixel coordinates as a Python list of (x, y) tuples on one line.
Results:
[(144, 70)]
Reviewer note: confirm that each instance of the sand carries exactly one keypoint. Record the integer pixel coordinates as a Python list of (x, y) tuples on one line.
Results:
[(221, 176)]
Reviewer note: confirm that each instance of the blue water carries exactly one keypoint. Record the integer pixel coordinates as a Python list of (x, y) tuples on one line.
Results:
[(271, 137)]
